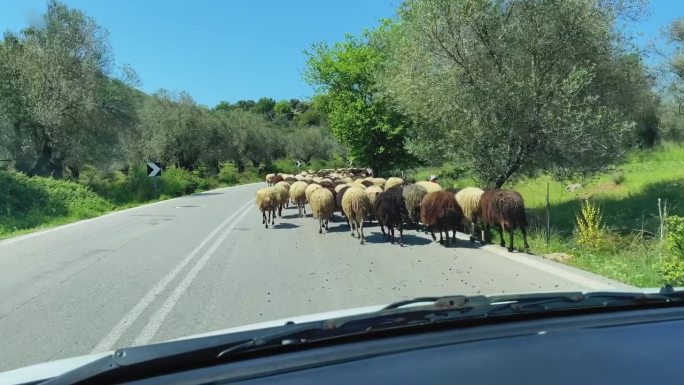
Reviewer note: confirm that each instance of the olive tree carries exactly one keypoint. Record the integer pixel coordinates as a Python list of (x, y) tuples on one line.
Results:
[(506, 87)]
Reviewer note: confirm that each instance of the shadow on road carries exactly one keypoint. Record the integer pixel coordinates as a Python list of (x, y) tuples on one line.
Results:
[(290, 216), (408, 238), (285, 225)]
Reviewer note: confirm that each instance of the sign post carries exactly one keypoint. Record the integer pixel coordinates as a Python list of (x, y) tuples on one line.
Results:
[(154, 171)]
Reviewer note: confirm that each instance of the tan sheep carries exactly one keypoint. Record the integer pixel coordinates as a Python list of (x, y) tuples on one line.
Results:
[(269, 179), (393, 181), (429, 186), (380, 182), (372, 193), (469, 199), (309, 190), (356, 206), (283, 194), (267, 201), (298, 195), (325, 182), (322, 204)]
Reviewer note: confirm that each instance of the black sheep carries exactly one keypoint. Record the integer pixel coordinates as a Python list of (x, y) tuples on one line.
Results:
[(390, 211), (504, 209)]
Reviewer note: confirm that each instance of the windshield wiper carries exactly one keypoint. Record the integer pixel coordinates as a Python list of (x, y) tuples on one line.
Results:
[(152, 360)]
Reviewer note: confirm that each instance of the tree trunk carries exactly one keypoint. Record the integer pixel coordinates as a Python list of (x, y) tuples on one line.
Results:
[(43, 165), (75, 172), (240, 166), (503, 177)]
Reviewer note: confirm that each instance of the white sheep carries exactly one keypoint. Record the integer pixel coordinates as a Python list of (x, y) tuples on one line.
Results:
[(469, 199), (356, 206), (322, 204), (267, 201)]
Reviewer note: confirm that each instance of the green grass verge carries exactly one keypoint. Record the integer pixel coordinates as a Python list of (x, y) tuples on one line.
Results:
[(29, 204)]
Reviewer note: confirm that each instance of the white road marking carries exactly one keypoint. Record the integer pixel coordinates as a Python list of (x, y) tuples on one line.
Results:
[(120, 328), (155, 322)]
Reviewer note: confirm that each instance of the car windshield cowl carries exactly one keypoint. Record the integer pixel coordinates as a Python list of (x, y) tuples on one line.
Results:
[(156, 359)]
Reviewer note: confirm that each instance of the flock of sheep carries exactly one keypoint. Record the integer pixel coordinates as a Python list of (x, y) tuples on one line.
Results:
[(394, 205)]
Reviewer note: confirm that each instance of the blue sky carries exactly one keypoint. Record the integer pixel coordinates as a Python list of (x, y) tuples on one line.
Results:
[(238, 49)]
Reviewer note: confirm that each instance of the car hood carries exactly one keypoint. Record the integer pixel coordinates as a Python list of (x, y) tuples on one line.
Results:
[(55, 368)]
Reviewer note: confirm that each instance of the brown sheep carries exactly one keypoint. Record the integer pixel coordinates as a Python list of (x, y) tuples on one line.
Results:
[(439, 211), (504, 209)]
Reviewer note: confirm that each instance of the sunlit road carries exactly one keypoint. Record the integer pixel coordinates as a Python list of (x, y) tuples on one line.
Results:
[(205, 262)]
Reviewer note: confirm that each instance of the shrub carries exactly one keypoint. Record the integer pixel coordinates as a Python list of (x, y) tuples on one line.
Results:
[(589, 225), (618, 178), (177, 181), (228, 174), (675, 235)]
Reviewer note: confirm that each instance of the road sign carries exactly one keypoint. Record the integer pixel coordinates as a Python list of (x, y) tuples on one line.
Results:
[(153, 169), (298, 164)]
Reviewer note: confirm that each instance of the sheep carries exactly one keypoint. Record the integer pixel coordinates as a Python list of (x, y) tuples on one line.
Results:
[(439, 211), (380, 182), (287, 186), (282, 193), (359, 183), (269, 179), (310, 189), (429, 186), (322, 207), (393, 181), (289, 178), (325, 182), (277, 178), (267, 201), (347, 179), (356, 206), (373, 192), (298, 195), (338, 200), (504, 209), (413, 195), (469, 201), (390, 210)]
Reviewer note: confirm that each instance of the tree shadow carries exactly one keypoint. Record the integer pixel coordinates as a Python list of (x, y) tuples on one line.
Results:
[(290, 216), (633, 212)]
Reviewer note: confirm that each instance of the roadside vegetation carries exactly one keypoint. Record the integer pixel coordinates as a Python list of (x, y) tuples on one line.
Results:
[(475, 92), (608, 223)]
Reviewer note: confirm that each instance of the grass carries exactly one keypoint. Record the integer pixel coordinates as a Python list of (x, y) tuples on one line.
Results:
[(631, 252), (29, 204)]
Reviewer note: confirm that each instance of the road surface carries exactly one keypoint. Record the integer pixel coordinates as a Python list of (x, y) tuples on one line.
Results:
[(205, 262)]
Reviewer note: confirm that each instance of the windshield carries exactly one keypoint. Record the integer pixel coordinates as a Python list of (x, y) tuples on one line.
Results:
[(173, 168)]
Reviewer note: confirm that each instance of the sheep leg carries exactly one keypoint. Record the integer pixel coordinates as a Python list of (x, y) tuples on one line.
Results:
[(432, 233), (390, 232), (501, 235), (320, 226), (326, 224), (273, 218), (510, 236), (360, 230), (524, 233), (351, 226), (266, 218), (472, 232), (263, 217), (401, 235)]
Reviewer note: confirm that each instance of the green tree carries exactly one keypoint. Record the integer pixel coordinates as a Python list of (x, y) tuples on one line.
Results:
[(264, 106), (345, 79), (54, 85), (509, 87)]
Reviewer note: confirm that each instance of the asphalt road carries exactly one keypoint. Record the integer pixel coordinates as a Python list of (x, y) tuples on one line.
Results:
[(205, 262)]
